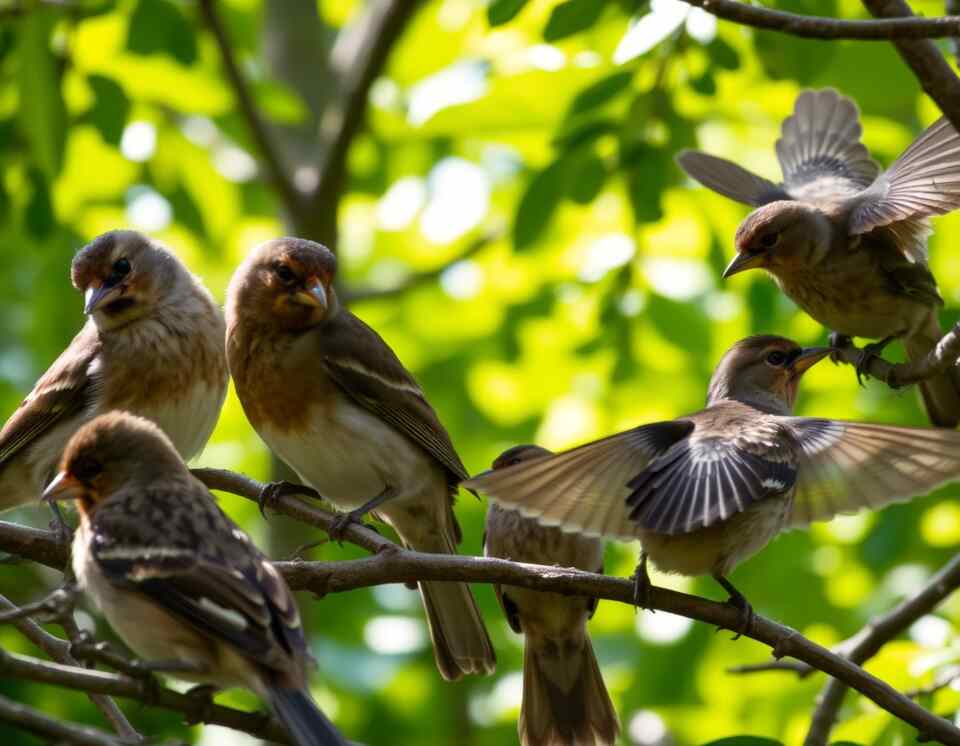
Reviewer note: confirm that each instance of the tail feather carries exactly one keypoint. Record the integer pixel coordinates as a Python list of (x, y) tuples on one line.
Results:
[(564, 698), (306, 722), (941, 394)]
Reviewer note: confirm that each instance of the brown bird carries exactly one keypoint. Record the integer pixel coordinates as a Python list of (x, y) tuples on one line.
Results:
[(706, 491), (847, 243), (183, 586), (153, 345), (565, 701), (331, 399)]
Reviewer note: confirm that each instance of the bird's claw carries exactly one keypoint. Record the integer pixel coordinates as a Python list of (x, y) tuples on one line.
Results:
[(202, 696), (341, 522), (870, 351), (738, 602), (271, 493), (838, 342), (642, 587)]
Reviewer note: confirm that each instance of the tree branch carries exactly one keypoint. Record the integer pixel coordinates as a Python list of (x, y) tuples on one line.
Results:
[(925, 59), (268, 152), (55, 730), (815, 27), (938, 360)]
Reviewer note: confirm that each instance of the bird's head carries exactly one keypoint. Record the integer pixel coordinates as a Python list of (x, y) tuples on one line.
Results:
[(124, 275), (286, 282), (111, 452), (518, 454), (763, 371), (780, 236)]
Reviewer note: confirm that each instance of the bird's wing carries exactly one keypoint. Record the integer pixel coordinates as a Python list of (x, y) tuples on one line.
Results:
[(584, 489), (368, 371), (846, 466), (65, 389), (706, 478), (819, 149), (729, 179), (924, 181), (191, 560)]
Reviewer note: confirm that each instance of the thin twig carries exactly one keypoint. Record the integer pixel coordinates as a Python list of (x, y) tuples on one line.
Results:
[(940, 682), (924, 58), (816, 27), (51, 606), (55, 730)]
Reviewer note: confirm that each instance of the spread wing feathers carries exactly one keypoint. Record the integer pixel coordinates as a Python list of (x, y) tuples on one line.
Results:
[(846, 466), (701, 481), (63, 391), (729, 179), (368, 371), (819, 148), (924, 181), (243, 602), (584, 489)]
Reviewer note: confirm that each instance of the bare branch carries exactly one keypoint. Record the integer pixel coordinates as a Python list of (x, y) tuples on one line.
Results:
[(815, 27), (54, 730), (35, 544), (938, 360), (925, 59), (53, 605), (423, 278), (268, 152)]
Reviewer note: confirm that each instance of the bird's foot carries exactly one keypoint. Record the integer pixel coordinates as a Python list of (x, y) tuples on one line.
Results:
[(870, 351), (201, 696), (299, 554), (59, 525), (738, 601), (271, 493), (642, 587), (838, 342), (342, 521)]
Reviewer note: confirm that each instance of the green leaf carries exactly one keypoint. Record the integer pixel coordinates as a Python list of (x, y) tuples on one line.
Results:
[(687, 326), (582, 130), (744, 741), (588, 174), (42, 112), (600, 92), (723, 55), (159, 27), (110, 108), (571, 17), (38, 215), (538, 204), (705, 84), (502, 11), (647, 171)]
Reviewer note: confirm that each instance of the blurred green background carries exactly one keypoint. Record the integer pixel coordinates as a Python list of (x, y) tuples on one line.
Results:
[(510, 219)]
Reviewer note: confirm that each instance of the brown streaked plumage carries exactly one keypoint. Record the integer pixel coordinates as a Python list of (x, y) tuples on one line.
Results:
[(564, 698), (330, 397), (706, 491), (153, 345), (846, 242), (180, 583)]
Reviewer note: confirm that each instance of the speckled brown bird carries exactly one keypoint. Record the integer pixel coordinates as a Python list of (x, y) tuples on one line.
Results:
[(565, 701), (153, 345), (180, 583), (330, 397), (847, 243), (706, 491)]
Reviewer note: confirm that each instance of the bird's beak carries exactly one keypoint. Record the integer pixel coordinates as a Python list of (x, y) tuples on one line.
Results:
[(63, 487), (97, 296), (314, 295), (809, 357), (742, 262)]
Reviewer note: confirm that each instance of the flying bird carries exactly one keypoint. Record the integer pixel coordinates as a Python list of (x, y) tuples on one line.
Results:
[(331, 398), (152, 345), (706, 491), (180, 583), (845, 241), (564, 698)]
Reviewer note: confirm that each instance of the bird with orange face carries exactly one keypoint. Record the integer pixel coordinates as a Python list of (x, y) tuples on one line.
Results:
[(330, 398), (564, 698), (180, 583), (706, 491), (845, 241), (153, 345)]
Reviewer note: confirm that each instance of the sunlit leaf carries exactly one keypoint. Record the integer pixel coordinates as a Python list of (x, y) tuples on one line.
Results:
[(159, 27), (110, 108), (744, 741), (538, 204), (571, 17), (601, 92), (503, 11), (42, 113)]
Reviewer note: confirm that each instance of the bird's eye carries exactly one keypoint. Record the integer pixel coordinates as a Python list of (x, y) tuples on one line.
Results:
[(776, 358), (85, 468), (769, 240), (284, 273), (121, 267)]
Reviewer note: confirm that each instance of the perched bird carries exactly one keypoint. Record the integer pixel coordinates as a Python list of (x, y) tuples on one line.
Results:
[(706, 491), (847, 243), (564, 699), (153, 345), (331, 399), (183, 586)]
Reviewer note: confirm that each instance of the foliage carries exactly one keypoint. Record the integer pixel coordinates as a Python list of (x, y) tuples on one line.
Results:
[(599, 307)]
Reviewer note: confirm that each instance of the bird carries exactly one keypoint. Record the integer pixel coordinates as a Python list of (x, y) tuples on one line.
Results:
[(845, 241), (179, 582), (564, 698), (708, 490), (329, 397), (152, 345)]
